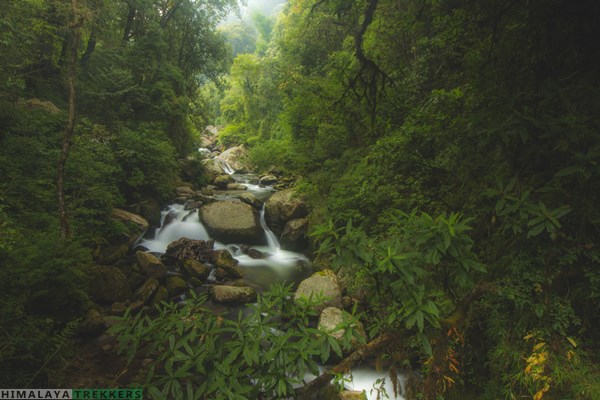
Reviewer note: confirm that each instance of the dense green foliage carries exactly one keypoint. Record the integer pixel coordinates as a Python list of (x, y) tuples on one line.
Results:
[(140, 65), (482, 117), (263, 353)]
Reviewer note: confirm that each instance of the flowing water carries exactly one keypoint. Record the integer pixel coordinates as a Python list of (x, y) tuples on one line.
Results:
[(277, 265)]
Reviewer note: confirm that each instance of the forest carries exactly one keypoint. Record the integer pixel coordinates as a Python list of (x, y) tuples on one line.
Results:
[(444, 156)]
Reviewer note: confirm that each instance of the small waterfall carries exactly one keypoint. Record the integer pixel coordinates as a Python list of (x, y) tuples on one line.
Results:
[(225, 166), (176, 222), (272, 241)]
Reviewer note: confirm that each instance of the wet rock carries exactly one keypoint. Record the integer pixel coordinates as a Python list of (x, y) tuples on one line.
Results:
[(184, 191), (192, 205), (222, 181), (224, 260), (250, 199), (145, 291), (208, 190), (161, 294), (236, 157), (321, 287), (109, 284), (282, 207), (196, 269), (267, 180), (251, 252), (192, 249), (195, 282), (220, 274), (233, 295), (231, 222), (150, 265), (294, 236), (205, 199), (176, 286), (236, 186)]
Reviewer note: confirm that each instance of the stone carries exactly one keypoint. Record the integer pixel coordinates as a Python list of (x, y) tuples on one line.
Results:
[(192, 249), (224, 260), (211, 169), (267, 180), (251, 200), (232, 222), (233, 295), (136, 224), (208, 190), (282, 207), (321, 286), (136, 280), (161, 294), (192, 205), (222, 181), (236, 157), (251, 252), (93, 323), (220, 274), (150, 265), (109, 284), (195, 282), (294, 236), (184, 191), (236, 186), (331, 317), (176, 286), (118, 308), (196, 269), (353, 395), (145, 291)]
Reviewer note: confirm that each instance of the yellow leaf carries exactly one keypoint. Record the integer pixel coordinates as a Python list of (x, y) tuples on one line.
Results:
[(529, 336), (538, 346), (572, 341), (453, 368), (538, 395)]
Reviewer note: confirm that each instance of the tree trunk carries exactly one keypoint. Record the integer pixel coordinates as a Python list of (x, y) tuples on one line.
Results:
[(91, 46), (75, 24)]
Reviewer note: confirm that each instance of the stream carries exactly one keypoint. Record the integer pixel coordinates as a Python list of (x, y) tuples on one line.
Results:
[(277, 265)]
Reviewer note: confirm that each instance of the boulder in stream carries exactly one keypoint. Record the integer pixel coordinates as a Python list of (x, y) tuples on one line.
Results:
[(250, 199), (176, 286), (150, 265), (332, 317), (224, 260), (222, 181), (294, 236), (211, 169), (321, 287), (196, 269), (144, 293), (267, 180), (190, 249), (233, 295), (282, 207), (232, 222)]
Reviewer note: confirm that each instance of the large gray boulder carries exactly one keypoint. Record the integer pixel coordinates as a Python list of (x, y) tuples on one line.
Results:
[(233, 295), (294, 236), (109, 284), (236, 157), (232, 222), (321, 286), (282, 207), (250, 199)]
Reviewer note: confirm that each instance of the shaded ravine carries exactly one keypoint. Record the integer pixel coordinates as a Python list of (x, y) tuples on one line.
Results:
[(276, 266)]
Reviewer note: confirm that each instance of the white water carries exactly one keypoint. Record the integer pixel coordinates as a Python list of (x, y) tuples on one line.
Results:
[(372, 382), (272, 240)]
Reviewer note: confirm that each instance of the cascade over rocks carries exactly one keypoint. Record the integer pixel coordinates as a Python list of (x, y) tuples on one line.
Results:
[(236, 158), (231, 222), (282, 207)]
